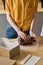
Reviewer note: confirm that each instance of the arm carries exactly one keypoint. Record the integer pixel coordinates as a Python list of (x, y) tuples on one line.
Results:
[(31, 28), (33, 21), (20, 33), (8, 10), (10, 20)]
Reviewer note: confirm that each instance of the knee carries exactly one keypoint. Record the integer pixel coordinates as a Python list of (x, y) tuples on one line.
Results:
[(11, 33)]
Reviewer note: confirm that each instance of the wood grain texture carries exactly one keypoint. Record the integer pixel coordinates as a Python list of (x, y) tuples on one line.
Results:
[(39, 53)]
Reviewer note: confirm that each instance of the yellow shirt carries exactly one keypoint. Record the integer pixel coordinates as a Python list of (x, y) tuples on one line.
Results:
[(22, 12)]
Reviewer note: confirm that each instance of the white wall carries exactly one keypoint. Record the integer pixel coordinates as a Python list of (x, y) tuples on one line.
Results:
[(38, 23), (3, 23)]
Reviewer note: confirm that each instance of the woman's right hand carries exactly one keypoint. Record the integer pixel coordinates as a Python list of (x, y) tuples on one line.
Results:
[(22, 35)]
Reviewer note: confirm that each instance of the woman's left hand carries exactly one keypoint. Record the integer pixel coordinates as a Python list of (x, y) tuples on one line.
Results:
[(33, 35)]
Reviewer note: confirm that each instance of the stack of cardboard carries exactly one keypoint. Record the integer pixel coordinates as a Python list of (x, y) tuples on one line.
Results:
[(9, 48)]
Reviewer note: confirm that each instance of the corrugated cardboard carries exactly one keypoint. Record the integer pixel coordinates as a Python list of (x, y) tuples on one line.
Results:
[(9, 48), (5, 61)]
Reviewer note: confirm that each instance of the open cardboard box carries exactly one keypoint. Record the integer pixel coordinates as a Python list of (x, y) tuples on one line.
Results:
[(5, 61), (9, 48)]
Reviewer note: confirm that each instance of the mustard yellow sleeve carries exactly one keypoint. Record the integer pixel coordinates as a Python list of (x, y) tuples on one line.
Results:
[(7, 5)]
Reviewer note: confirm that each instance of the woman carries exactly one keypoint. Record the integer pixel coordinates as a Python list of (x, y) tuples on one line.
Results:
[(20, 15)]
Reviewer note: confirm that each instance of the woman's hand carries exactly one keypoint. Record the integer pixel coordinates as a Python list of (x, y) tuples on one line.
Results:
[(22, 35), (33, 35)]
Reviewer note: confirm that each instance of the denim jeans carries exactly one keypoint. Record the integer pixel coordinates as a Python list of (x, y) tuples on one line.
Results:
[(11, 33)]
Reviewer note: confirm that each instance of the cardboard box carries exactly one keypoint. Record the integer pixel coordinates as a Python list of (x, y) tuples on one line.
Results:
[(9, 48), (5, 61)]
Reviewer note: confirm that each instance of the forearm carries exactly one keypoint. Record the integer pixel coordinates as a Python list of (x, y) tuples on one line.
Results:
[(31, 26), (12, 23), (31, 30)]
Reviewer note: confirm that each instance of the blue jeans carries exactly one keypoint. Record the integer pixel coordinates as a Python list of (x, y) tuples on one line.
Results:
[(11, 33)]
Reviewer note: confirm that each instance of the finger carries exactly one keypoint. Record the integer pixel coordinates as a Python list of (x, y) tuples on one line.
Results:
[(35, 37), (24, 37)]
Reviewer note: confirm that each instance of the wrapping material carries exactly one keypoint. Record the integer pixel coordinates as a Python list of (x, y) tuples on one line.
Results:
[(29, 41), (31, 48), (34, 46)]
